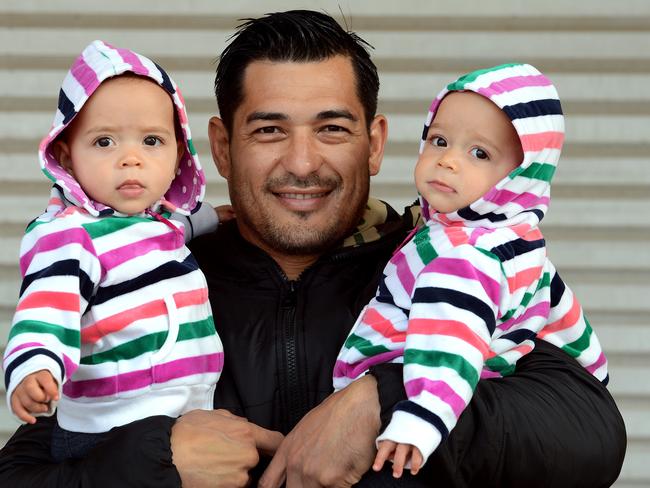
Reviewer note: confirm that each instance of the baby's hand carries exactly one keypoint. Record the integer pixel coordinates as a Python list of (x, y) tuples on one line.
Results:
[(400, 454), (33, 395), (225, 213)]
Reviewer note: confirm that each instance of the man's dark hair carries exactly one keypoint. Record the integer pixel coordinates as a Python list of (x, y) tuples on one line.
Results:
[(292, 36)]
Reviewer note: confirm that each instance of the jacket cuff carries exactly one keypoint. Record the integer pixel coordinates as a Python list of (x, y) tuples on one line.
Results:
[(390, 389)]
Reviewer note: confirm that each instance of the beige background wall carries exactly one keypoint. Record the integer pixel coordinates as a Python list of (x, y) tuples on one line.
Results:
[(596, 51)]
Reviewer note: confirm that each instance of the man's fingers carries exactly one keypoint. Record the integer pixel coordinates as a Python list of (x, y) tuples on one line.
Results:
[(275, 473), (266, 441)]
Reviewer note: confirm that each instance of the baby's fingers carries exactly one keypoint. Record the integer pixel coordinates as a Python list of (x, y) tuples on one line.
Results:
[(402, 452), (21, 412), (416, 461), (384, 452), (49, 385)]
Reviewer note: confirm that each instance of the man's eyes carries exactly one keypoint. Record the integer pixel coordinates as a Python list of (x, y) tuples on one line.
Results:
[(271, 129), (334, 128)]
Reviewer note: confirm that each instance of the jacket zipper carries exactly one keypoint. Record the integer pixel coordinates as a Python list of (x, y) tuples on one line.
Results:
[(294, 394)]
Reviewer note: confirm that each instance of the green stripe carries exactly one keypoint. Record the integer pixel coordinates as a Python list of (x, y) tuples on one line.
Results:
[(460, 83), (544, 282), (433, 358), (575, 348), (151, 342), (190, 144), (500, 365), (536, 171), (35, 224), (68, 337), (108, 225), (423, 245), (364, 346)]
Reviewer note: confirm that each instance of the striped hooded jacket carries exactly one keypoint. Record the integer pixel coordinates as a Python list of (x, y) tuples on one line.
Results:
[(114, 306), (466, 296)]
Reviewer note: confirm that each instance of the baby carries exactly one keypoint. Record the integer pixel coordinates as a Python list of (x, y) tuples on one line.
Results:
[(113, 320), (466, 296)]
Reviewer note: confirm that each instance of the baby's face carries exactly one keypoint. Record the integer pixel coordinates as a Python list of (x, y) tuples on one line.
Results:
[(471, 145), (122, 146)]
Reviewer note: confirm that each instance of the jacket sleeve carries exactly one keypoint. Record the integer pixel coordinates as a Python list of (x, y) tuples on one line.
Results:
[(137, 454), (203, 221), (452, 318), (569, 329), (60, 271)]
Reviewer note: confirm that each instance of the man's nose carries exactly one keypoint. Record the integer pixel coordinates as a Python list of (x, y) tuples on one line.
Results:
[(302, 157)]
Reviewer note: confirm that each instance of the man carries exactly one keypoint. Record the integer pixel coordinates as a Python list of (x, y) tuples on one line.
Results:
[(297, 141)]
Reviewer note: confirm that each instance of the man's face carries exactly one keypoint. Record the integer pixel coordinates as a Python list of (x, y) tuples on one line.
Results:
[(300, 155)]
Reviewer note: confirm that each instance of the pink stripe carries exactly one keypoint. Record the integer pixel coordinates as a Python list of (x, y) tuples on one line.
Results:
[(464, 269), (513, 83), (525, 200), (122, 254), (599, 362), (55, 241), (210, 363), (70, 366), (343, 369), (84, 75), (542, 140), (130, 58), (486, 374), (477, 233), (404, 273), (539, 310), (438, 388), (23, 346)]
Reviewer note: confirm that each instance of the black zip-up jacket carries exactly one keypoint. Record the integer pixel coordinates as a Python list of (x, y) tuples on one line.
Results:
[(550, 424)]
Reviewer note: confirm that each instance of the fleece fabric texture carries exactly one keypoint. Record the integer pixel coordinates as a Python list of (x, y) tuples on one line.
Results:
[(466, 297), (114, 306)]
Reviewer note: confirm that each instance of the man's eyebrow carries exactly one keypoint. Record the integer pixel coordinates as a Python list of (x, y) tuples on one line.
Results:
[(266, 116), (336, 114)]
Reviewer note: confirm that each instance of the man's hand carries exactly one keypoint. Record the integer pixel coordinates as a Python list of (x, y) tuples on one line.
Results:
[(217, 448), (333, 445)]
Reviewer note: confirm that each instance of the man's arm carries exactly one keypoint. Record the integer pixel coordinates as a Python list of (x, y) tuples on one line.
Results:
[(208, 447), (550, 424)]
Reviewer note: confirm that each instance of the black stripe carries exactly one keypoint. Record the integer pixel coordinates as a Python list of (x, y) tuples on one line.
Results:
[(469, 214), (425, 131), (557, 289), (606, 380), (533, 108), (511, 249), (28, 355), (170, 269), (419, 411), (166, 82), (66, 107), (458, 299), (67, 267), (385, 296), (518, 336)]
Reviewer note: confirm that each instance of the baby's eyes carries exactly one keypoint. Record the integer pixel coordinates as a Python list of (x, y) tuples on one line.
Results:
[(479, 153), (152, 141), (104, 142), (438, 141)]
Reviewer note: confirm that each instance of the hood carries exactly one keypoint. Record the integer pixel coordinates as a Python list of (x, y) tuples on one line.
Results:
[(98, 62), (531, 102)]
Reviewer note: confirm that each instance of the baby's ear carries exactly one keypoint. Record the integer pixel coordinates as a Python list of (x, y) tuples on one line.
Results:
[(61, 151), (180, 150)]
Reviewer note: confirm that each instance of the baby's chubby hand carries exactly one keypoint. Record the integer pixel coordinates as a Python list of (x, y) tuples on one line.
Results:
[(33, 395), (400, 454)]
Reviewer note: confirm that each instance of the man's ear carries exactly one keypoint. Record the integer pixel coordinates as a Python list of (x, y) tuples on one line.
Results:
[(61, 151), (378, 136), (219, 145)]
